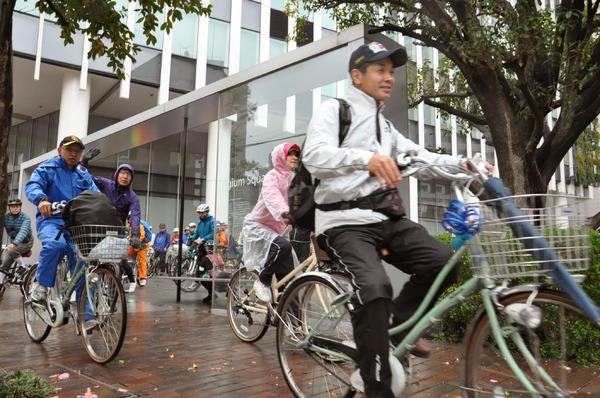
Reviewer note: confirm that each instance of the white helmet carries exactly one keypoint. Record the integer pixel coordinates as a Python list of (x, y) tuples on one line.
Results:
[(192, 225), (203, 208), (175, 229)]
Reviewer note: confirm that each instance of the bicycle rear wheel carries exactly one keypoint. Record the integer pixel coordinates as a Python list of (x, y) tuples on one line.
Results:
[(307, 371), (34, 313), (248, 325), (188, 269), (102, 315), (563, 333)]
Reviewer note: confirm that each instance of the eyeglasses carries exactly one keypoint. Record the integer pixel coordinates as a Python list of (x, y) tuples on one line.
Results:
[(72, 149)]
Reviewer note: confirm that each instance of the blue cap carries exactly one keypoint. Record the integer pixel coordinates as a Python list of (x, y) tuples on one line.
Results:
[(375, 51)]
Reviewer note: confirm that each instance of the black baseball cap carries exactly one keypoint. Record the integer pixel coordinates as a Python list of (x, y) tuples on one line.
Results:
[(375, 51), (70, 140)]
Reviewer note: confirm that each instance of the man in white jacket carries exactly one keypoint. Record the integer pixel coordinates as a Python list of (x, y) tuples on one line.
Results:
[(358, 236)]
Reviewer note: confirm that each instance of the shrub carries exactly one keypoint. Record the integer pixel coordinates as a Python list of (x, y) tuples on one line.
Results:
[(582, 335), (23, 384)]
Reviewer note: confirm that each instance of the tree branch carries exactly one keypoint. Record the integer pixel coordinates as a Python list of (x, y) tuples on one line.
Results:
[(58, 12)]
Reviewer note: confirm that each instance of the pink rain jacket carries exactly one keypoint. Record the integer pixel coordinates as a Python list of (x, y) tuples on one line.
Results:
[(265, 222)]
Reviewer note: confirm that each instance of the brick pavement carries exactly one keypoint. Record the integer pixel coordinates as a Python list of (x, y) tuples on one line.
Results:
[(179, 350)]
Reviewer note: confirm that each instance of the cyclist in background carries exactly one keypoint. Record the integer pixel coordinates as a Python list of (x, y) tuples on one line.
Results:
[(162, 241), (57, 179), (18, 229), (358, 237), (141, 253), (205, 230), (265, 248)]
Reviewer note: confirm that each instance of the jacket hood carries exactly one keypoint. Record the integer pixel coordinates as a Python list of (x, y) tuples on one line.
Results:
[(279, 156), (126, 167)]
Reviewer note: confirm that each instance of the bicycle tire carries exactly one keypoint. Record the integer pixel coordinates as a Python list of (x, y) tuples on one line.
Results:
[(37, 329), (188, 269), (172, 267), (109, 311), (247, 325), (151, 267), (306, 371), (486, 373)]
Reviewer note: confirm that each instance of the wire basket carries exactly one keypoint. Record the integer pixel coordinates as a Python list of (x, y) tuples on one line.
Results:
[(105, 242), (558, 221)]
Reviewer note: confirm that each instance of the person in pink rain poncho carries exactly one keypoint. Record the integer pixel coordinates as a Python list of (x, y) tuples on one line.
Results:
[(266, 247)]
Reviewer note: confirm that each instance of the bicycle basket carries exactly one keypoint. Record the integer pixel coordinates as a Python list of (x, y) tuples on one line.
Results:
[(96, 242), (558, 220)]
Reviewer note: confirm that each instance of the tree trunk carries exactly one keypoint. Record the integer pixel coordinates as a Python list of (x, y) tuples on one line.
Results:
[(6, 96), (595, 221)]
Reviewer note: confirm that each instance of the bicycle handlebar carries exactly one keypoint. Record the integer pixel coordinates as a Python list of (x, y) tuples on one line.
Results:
[(410, 163), (58, 207)]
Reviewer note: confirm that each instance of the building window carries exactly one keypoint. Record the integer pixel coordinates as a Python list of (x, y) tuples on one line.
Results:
[(140, 38), (185, 36), (276, 48), (218, 43), (249, 48)]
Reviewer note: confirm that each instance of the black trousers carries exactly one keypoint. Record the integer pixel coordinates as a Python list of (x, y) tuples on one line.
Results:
[(280, 261), (413, 251)]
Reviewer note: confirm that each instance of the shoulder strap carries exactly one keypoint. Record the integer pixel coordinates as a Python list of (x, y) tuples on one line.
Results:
[(345, 119)]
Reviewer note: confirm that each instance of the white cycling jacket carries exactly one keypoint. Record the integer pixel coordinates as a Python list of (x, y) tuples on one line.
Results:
[(343, 170)]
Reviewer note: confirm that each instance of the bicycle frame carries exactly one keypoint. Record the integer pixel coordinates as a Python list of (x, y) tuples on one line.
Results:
[(310, 264), (63, 295), (421, 320)]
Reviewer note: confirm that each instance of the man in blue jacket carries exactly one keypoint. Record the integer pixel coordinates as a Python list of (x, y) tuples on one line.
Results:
[(162, 241), (205, 230), (57, 179)]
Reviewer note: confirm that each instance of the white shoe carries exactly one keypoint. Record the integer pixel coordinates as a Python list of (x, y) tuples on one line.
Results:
[(142, 282), (262, 291), (39, 292), (129, 287), (194, 285)]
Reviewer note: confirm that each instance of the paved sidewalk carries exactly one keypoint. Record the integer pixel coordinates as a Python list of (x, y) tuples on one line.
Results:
[(179, 350)]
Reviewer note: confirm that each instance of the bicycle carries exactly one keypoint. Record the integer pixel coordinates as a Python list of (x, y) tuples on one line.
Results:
[(152, 262), (101, 314), (517, 345), (16, 273), (250, 318)]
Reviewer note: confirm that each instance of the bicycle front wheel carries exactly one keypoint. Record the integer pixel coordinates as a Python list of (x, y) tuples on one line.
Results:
[(310, 370), (248, 318), (564, 333), (102, 315), (34, 313)]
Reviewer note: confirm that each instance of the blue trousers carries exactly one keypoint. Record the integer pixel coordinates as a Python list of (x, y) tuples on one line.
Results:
[(53, 252)]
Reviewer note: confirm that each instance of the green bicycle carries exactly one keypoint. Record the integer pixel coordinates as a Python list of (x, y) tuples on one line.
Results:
[(101, 314), (521, 341)]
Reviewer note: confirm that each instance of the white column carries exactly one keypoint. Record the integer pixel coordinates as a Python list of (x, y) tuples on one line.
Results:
[(202, 50), (265, 28), (165, 67), (235, 36), (218, 169), (74, 107), (125, 86)]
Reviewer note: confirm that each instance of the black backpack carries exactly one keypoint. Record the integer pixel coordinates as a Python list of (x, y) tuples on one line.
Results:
[(302, 189), (90, 208)]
